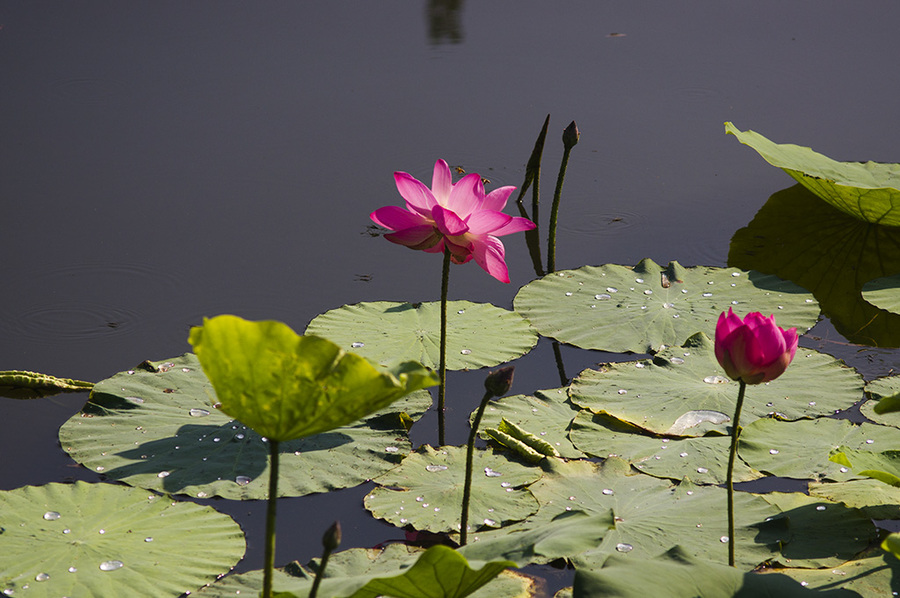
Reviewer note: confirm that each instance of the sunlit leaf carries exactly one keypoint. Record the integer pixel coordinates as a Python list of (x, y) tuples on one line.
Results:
[(18, 384), (679, 574), (880, 390), (106, 540), (876, 499), (620, 309), (478, 334), (883, 466), (285, 386), (873, 575), (682, 391), (869, 191), (425, 491), (155, 427)]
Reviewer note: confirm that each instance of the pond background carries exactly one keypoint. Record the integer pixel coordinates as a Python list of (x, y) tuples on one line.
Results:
[(163, 161)]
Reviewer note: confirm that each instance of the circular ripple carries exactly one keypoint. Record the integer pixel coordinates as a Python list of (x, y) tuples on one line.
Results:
[(602, 224), (88, 90), (73, 321)]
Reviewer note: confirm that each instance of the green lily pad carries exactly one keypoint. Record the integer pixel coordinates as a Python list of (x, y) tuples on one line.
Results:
[(878, 390), (651, 514), (395, 570), (678, 574), (704, 460), (155, 427), (285, 386), (425, 491), (884, 293), (620, 309), (874, 498), (875, 575), (103, 540), (547, 415), (801, 449), (478, 334), (18, 384), (869, 191), (682, 391)]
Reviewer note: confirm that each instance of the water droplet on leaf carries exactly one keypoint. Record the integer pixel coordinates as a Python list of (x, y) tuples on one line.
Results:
[(111, 565)]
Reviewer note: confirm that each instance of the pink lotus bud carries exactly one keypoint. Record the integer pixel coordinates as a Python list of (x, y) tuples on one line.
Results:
[(754, 349)]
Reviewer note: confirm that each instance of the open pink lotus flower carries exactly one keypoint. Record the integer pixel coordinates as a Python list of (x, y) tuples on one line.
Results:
[(754, 349), (459, 217)]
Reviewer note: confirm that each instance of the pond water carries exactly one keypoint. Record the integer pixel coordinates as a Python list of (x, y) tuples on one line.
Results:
[(165, 161)]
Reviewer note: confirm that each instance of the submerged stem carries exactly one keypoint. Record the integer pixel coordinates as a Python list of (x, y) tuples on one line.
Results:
[(470, 453), (269, 564), (442, 368), (729, 478)]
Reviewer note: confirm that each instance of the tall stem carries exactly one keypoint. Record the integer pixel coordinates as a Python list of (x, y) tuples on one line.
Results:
[(729, 478), (442, 368), (570, 138), (470, 453), (269, 564)]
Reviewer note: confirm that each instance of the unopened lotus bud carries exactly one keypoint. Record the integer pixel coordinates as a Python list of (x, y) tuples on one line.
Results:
[(332, 538), (571, 135), (498, 382)]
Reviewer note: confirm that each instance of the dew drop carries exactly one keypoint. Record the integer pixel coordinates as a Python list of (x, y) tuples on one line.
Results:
[(135, 399), (67, 531), (101, 532), (148, 539), (639, 365), (706, 295), (612, 290), (638, 280), (622, 391), (357, 345), (602, 296), (434, 468), (668, 305), (607, 491), (734, 302), (72, 569), (52, 515), (735, 274), (42, 577), (505, 484), (424, 504), (568, 293), (820, 508), (773, 451), (198, 412), (403, 520), (163, 474), (623, 547), (869, 441), (812, 403), (702, 470), (242, 480), (723, 539), (809, 300), (804, 583), (682, 454), (391, 449), (677, 360), (489, 522), (716, 380), (461, 312), (238, 436), (844, 470), (491, 473), (648, 292), (202, 494), (466, 352), (111, 565)]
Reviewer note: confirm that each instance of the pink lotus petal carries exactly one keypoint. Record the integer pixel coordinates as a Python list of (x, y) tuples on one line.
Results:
[(466, 195), (416, 237), (517, 224), (396, 218), (448, 223), (754, 349), (418, 197), (485, 221), (441, 182), (496, 199), (490, 255)]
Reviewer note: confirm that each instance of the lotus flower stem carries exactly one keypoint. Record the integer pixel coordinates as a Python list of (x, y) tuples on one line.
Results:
[(497, 384), (442, 368), (570, 138), (330, 541), (269, 564), (729, 476)]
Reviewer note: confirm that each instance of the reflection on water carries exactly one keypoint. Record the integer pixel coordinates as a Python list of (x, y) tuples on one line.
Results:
[(443, 21), (799, 237)]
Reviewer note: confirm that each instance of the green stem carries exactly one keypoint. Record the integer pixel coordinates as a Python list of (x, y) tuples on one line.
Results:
[(442, 368), (554, 211), (470, 453), (320, 573), (729, 478), (269, 564)]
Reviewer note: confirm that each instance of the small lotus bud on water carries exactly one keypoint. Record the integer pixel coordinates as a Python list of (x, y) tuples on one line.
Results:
[(498, 382), (332, 538), (571, 135)]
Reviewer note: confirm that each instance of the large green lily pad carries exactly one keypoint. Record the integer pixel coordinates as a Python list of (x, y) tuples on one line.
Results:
[(884, 293), (425, 491), (872, 497), (876, 390), (682, 391), (395, 570), (106, 540), (478, 334), (883, 466), (801, 449), (640, 309), (869, 191), (156, 427), (285, 386), (703, 459), (678, 574), (546, 415), (873, 575), (651, 514)]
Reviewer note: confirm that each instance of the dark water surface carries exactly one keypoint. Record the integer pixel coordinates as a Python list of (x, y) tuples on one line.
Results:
[(165, 161)]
